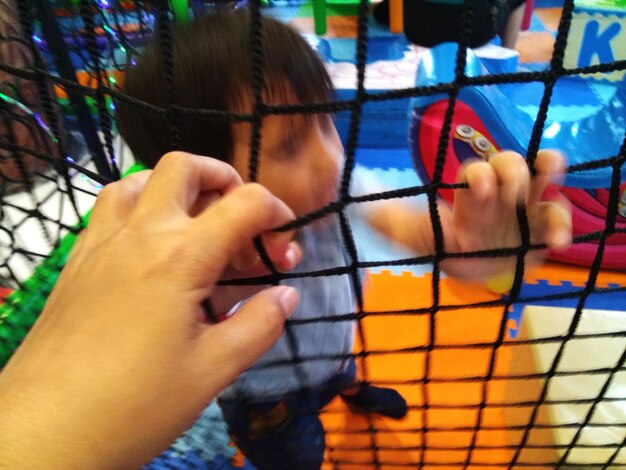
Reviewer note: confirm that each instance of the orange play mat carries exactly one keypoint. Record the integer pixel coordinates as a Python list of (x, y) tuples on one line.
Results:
[(455, 384)]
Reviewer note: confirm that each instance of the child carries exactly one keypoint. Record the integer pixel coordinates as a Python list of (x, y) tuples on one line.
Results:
[(273, 412)]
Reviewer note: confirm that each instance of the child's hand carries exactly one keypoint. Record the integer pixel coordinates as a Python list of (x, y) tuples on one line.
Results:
[(484, 217)]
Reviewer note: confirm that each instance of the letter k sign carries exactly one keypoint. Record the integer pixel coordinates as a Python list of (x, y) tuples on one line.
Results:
[(597, 43)]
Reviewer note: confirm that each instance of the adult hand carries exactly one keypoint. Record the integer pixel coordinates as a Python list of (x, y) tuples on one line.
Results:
[(122, 359)]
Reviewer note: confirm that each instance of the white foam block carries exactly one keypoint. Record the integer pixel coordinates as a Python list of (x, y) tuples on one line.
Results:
[(582, 372)]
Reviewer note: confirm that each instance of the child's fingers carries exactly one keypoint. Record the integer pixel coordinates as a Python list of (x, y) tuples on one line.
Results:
[(550, 168), (482, 181), (481, 195), (513, 177), (555, 221)]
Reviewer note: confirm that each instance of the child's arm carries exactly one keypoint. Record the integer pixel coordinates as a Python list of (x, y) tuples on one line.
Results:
[(484, 217)]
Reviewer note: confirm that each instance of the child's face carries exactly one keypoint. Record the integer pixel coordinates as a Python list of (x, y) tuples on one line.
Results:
[(300, 159)]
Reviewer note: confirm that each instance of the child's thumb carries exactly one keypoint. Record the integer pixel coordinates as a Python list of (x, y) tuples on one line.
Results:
[(236, 343)]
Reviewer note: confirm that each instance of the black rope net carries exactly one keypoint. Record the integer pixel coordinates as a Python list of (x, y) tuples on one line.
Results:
[(60, 67)]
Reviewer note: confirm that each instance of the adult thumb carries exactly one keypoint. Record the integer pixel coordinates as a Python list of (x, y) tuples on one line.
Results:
[(236, 343)]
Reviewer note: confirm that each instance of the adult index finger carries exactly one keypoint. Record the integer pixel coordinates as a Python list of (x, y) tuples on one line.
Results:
[(231, 223), (179, 180)]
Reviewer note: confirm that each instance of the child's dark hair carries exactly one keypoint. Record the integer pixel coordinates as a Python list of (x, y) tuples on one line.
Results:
[(212, 70)]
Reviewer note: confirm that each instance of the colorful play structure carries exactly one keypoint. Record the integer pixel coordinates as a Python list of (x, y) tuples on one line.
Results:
[(586, 121)]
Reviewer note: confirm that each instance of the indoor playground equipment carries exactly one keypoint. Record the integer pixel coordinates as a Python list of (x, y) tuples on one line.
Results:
[(597, 35), (533, 378), (586, 121)]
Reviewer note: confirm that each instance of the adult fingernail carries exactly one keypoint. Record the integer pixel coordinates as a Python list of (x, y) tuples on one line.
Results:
[(288, 299), (292, 255)]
